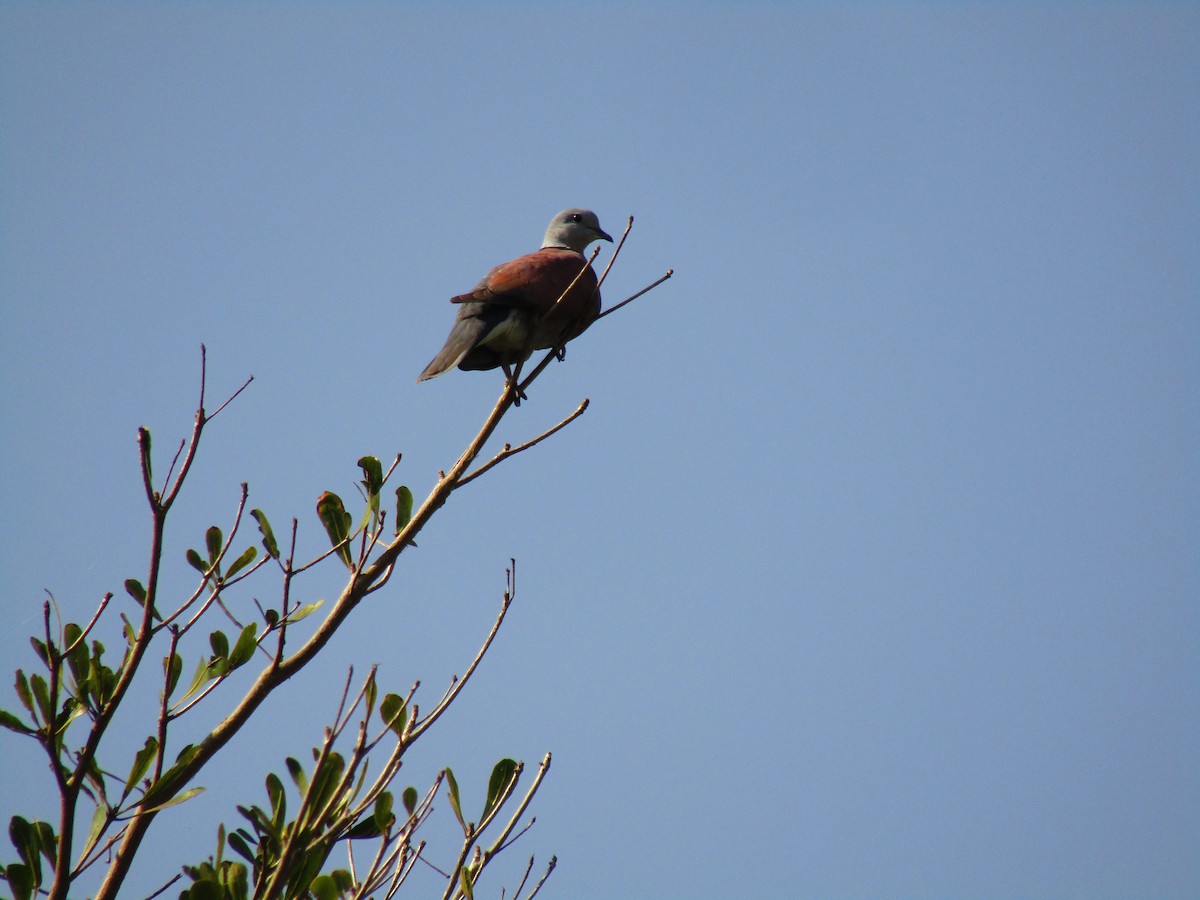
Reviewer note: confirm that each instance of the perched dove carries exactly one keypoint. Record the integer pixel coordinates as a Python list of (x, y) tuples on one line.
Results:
[(512, 311)]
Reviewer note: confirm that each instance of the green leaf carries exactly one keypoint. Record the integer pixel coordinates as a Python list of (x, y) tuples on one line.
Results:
[(307, 869), (404, 505), (39, 647), (236, 880), (213, 539), (239, 845), (394, 713), (268, 535), (304, 611), (153, 798), (172, 666), (182, 797), (32, 842), (24, 839), (369, 692), (464, 877), (101, 679), (244, 648), (366, 827), (93, 776), (278, 797), (323, 888), (41, 694), (205, 887), (242, 561), (372, 484), (20, 881), (325, 780), (262, 825), (454, 802), (12, 723), (195, 561), (99, 819), (336, 520), (372, 475), (72, 710), (409, 799), (46, 841), (220, 644), (502, 775), (23, 692), (76, 650), (296, 771), (198, 680), (134, 588), (141, 764), (384, 817)]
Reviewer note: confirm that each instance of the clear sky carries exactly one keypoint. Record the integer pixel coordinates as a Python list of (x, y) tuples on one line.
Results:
[(872, 570)]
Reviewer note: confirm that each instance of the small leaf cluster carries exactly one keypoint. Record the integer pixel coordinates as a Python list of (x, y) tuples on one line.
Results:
[(286, 853)]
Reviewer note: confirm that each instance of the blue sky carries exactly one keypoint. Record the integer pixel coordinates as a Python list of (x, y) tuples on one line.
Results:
[(872, 568)]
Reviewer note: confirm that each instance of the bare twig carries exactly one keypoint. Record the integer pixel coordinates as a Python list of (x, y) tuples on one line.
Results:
[(212, 415), (616, 253), (649, 287), (83, 635), (513, 451), (437, 711), (164, 887), (542, 880)]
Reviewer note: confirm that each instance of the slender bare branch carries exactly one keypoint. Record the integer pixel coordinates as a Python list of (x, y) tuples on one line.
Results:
[(212, 415), (513, 451), (542, 880), (628, 300), (616, 253), (433, 716)]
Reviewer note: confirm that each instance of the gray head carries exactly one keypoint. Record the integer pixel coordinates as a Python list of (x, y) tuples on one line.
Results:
[(574, 229)]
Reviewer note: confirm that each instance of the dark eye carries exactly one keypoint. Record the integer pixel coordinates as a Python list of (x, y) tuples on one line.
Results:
[(576, 217)]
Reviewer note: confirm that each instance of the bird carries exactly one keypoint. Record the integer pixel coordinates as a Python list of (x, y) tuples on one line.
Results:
[(515, 308)]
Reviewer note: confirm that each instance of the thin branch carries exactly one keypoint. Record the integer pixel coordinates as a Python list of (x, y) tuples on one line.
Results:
[(549, 869), (164, 714), (433, 716), (616, 253), (83, 635), (164, 887), (230, 399), (174, 460), (516, 837), (647, 288), (513, 451), (404, 869), (524, 878)]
